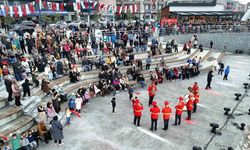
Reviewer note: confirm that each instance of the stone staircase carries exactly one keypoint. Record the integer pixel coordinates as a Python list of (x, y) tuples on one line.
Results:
[(12, 119)]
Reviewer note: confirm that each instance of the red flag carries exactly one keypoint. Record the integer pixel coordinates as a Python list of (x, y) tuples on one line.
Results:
[(133, 8), (86, 4), (62, 6), (15, 10), (45, 4), (78, 5), (31, 7), (6, 10), (24, 10), (102, 6), (93, 5), (53, 6), (37, 1), (118, 10)]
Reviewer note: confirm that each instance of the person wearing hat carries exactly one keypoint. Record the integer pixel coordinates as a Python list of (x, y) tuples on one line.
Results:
[(179, 108), (166, 111), (155, 110), (196, 100), (151, 92), (137, 112), (189, 106)]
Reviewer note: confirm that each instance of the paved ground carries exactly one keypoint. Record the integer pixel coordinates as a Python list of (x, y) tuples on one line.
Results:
[(99, 129)]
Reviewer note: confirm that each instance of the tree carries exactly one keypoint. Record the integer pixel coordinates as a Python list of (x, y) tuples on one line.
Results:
[(95, 17), (8, 20)]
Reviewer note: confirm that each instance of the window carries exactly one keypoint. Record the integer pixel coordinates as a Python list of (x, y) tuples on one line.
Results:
[(147, 7), (160, 7)]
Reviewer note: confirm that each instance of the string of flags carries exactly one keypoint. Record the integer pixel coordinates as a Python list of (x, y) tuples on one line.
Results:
[(27, 9)]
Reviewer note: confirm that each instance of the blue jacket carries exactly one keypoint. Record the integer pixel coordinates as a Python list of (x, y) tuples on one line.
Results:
[(227, 71)]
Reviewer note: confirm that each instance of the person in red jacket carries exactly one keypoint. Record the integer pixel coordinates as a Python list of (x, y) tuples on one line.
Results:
[(196, 100), (151, 92), (189, 106), (166, 111), (155, 110), (195, 87), (137, 112), (179, 109)]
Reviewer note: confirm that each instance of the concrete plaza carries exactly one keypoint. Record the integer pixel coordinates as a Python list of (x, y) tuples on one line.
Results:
[(99, 129)]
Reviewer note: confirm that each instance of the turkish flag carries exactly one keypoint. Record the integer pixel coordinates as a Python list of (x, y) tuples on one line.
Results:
[(45, 4), (31, 7), (86, 4), (6, 10), (78, 5), (24, 10), (15, 9), (53, 6), (62, 6)]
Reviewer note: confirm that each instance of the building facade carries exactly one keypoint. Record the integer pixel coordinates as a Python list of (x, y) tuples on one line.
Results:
[(148, 9)]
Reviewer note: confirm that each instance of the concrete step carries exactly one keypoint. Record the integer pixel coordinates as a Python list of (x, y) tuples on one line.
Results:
[(22, 123), (30, 103), (2, 102), (9, 113)]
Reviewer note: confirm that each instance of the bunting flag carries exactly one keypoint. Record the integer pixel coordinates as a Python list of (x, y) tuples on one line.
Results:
[(2, 10), (93, 5), (23, 8), (53, 6), (119, 10), (31, 8), (27, 9), (62, 6), (83, 5), (45, 4), (102, 6), (6, 10), (86, 4), (20, 12), (78, 6), (11, 11)]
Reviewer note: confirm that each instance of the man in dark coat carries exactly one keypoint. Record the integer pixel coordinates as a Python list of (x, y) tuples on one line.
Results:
[(26, 87), (113, 102), (209, 79), (8, 84)]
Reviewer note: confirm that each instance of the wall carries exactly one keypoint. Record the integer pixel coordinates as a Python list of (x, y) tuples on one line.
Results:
[(234, 41)]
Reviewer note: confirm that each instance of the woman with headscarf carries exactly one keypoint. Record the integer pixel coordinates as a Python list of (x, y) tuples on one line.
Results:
[(16, 92), (57, 129)]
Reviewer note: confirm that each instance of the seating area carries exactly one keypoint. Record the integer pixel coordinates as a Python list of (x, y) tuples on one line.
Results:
[(14, 118)]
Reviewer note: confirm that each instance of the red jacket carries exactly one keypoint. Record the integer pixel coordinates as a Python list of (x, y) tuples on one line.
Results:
[(138, 109), (152, 90), (179, 108), (155, 110), (195, 88), (190, 104), (166, 111), (197, 98)]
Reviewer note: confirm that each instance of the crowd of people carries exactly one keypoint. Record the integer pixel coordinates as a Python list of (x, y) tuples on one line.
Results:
[(57, 53)]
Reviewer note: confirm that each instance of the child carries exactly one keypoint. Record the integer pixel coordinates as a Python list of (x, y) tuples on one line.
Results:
[(72, 104), (31, 139), (130, 91), (86, 96), (34, 79), (68, 113), (26, 87), (25, 142), (113, 102), (35, 136), (15, 141), (78, 102)]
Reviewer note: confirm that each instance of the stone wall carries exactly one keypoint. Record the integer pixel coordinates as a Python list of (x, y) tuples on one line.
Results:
[(234, 41)]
